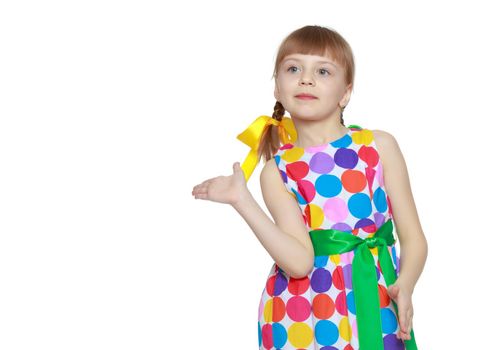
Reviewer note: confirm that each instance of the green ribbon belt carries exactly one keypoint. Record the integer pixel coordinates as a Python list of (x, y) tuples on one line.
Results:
[(364, 277)]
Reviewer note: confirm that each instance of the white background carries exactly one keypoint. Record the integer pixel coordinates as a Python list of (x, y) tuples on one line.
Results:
[(111, 111)]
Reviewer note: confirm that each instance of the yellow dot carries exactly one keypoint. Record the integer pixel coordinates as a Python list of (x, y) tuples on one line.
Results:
[(300, 335), (374, 251), (316, 216), (293, 154), (363, 137), (335, 258), (344, 329), (268, 311)]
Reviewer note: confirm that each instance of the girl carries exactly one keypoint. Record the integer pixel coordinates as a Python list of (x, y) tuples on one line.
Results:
[(335, 194)]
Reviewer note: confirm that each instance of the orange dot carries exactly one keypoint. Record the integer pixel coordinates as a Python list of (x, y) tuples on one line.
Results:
[(278, 309), (323, 306), (307, 215), (353, 181), (384, 298)]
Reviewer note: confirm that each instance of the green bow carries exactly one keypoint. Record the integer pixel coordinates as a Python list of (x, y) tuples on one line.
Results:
[(364, 277)]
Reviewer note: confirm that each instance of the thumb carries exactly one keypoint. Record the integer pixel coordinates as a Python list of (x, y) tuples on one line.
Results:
[(236, 167), (393, 291)]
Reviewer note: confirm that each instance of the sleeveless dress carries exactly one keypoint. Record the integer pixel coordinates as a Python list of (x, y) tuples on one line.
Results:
[(337, 185)]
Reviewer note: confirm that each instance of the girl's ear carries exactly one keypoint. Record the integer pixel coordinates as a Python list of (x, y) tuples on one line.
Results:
[(276, 93), (346, 98)]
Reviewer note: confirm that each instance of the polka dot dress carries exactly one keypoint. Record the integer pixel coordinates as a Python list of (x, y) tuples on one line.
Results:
[(337, 185)]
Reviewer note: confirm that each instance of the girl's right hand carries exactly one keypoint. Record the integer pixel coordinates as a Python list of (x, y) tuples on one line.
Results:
[(223, 189)]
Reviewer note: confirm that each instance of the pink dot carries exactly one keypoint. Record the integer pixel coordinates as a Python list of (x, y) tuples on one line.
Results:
[(307, 190), (341, 303), (336, 209), (379, 175), (354, 328), (298, 308), (347, 257), (267, 341)]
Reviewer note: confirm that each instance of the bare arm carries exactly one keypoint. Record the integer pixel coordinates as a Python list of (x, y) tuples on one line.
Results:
[(287, 240), (413, 244)]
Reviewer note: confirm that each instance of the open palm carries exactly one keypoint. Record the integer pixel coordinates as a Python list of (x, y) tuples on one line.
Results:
[(223, 189)]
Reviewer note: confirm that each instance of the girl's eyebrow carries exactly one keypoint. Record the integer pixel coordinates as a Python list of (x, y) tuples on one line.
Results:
[(297, 59)]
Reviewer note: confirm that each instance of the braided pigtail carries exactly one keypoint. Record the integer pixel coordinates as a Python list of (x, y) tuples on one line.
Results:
[(342, 115), (270, 141)]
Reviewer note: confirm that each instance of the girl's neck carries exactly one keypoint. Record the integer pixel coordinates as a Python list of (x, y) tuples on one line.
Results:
[(312, 133)]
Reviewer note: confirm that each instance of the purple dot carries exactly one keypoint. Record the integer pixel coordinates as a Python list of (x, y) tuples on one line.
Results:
[(280, 284), (284, 176), (391, 342), (341, 226), (379, 219), (346, 158), (363, 223), (321, 280), (347, 270), (322, 163)]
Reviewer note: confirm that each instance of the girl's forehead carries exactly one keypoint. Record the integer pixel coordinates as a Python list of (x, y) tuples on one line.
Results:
[(310, 58)]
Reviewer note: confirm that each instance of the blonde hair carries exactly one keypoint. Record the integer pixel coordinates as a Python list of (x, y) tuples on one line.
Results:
[(308, 40)]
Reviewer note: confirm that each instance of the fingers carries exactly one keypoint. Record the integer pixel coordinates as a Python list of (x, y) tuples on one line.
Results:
[(405, 325), (201, 190)]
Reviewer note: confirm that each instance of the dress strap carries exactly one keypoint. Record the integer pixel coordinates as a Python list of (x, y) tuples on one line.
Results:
[(354, 126)]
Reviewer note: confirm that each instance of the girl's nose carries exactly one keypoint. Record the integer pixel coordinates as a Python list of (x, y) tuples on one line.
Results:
[(306, 81)]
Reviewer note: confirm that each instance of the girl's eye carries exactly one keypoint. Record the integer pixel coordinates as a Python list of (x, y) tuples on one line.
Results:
[(321, 70)]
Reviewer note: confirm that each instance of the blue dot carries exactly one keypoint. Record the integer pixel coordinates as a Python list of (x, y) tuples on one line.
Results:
[(328, 185), (388, 320), (279, 334), (277, 159), (299, 197), (351, 304), (379, 199), (321, 260), (326, 332), (260, 335), (360, 205), (344, 141)]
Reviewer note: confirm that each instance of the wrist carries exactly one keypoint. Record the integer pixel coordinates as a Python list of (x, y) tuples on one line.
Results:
[(242, 199), (405, 285)]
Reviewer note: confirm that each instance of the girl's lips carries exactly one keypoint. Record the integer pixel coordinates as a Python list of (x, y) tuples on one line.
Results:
[(306, 97)]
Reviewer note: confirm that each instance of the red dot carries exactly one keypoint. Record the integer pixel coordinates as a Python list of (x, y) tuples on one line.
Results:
[(298, 286), (369, 155), (297, 170), (269, 286), (338, 278)]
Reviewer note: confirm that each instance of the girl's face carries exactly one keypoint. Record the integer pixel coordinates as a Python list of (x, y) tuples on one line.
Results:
[(315, 75)]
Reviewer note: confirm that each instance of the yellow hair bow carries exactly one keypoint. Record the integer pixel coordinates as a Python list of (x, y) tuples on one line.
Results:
[(252, 136)]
